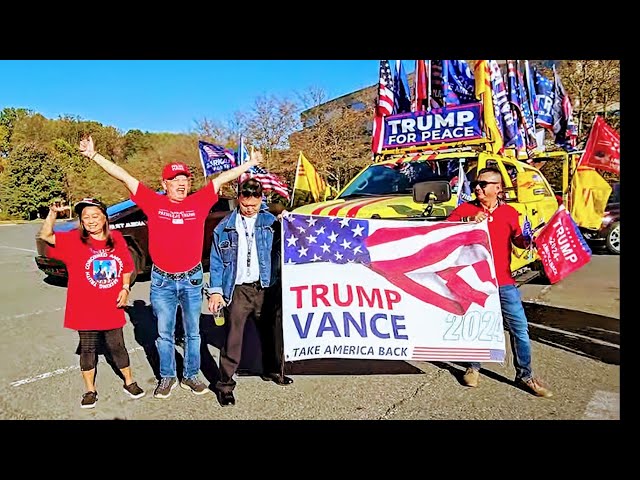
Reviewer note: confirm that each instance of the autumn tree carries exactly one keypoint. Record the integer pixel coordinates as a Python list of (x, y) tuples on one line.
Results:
[(594, 88)]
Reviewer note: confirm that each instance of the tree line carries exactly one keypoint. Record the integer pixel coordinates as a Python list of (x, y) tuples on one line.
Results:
[(39, 158)]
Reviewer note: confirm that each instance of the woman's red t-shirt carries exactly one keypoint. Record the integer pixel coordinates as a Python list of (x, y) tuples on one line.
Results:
[(95, 280)]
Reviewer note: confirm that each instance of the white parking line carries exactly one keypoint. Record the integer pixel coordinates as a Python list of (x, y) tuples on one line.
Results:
[(37, 312), (55, 373), (603, 406), (16, 248)]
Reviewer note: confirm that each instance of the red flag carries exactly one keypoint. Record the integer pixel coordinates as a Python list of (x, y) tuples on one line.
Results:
[(561, 246), (602, 151), (420, 86), (384, 106)]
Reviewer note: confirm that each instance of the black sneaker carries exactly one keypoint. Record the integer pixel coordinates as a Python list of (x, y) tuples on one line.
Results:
[(165, 385), (133, 390), (89, 400)]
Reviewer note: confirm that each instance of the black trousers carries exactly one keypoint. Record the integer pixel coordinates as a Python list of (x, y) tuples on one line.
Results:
[(263, 305)]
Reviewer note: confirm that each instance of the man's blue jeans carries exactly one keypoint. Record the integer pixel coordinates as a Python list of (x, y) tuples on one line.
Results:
[(516, 322), (166, 295)]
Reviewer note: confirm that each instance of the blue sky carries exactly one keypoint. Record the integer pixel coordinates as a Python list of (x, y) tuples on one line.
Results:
[(169, 95)]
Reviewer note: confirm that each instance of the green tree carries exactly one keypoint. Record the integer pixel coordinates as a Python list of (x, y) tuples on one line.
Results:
[(32, 182)]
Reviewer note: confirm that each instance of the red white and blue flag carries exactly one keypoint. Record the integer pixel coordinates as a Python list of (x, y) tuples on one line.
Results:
[(215, 158), (270, 181), (446, 264), (389, 289), (384, 105)]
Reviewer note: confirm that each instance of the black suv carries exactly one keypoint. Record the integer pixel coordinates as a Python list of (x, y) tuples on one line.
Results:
[(131, 221), (609, 232)]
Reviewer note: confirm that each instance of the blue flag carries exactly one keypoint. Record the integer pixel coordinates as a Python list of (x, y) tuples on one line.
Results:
[(215, 158), (401, 92)]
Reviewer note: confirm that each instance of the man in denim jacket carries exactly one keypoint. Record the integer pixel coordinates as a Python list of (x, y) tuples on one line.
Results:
[(244, 279)]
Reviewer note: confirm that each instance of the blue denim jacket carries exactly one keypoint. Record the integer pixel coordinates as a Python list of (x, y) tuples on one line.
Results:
[(223, 260)]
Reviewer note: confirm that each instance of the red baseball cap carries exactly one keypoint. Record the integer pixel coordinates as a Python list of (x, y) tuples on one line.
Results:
[(172, 170)]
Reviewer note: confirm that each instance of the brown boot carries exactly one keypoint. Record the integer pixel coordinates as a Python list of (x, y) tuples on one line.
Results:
[(534, 386), (471, 377)]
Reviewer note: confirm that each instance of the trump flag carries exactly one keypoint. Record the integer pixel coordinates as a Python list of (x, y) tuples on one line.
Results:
[(561, 246), (603, 148), (389, 289)]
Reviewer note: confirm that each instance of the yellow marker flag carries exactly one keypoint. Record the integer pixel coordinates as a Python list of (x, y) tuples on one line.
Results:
[(308, 180), (484, 92), (589, 195)]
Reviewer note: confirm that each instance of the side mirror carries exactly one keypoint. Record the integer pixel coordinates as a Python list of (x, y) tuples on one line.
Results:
[(438, 191)]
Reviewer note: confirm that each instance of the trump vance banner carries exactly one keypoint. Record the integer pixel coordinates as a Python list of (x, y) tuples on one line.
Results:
[(389, 289)]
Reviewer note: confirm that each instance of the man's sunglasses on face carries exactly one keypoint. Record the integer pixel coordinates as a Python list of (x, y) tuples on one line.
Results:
[(482, 184)]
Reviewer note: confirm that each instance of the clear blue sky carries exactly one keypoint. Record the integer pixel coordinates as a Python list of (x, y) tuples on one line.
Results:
[(169, 95)]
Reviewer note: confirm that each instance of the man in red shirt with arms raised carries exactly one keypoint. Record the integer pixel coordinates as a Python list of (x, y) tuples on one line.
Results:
[(176, 223), (504, 230)]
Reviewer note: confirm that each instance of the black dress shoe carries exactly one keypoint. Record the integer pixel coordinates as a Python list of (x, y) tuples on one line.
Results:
[(226, 398), (277, 379)]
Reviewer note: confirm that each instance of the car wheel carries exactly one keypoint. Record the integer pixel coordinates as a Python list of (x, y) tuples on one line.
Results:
[(613, 238), (136, 263)]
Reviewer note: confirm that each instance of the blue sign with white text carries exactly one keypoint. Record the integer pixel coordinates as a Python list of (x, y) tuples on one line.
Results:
[(440, 125)]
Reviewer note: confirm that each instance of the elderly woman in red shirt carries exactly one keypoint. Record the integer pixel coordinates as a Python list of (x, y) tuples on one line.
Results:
[(99, 266)]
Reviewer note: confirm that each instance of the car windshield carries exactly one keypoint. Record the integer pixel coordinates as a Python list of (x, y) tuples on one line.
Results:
[(393, 179)]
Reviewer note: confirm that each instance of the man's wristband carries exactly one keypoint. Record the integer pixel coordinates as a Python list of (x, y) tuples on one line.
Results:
[(126, 287), (94, 155)]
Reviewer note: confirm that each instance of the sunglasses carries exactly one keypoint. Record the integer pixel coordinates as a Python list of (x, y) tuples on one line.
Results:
[(482, 184)]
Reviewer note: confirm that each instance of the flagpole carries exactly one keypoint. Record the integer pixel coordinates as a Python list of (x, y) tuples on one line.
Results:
[(428, 73), (293, 191)]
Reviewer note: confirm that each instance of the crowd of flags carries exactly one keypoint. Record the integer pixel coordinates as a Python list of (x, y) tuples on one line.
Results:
[(515, 106), (216, 158)]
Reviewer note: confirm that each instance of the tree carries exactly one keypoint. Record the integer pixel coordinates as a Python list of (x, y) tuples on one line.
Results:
[(32, 182), (594, 88), (269, 125)]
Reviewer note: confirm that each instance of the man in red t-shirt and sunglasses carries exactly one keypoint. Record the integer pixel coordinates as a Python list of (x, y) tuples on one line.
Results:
[(504, 230), (176, 223)]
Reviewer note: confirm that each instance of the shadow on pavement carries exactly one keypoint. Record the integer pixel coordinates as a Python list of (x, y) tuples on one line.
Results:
[(55, 281), (587, 334)]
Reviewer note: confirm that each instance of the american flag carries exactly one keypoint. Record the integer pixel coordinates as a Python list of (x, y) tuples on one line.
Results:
[(270, 181), (384, 106), (446, 264), (457, 354)]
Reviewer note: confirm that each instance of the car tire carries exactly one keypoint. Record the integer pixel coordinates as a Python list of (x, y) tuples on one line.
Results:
[(613, 238), (136, 262)]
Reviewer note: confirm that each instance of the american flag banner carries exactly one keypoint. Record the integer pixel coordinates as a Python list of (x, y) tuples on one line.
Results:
[(384, 105), (270, 181), (215, 158), (385, 289)]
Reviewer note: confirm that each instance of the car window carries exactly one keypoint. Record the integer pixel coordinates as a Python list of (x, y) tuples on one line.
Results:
[(389, 179)]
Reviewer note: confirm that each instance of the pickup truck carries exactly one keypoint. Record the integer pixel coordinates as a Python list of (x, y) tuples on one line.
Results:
[(424, 186)]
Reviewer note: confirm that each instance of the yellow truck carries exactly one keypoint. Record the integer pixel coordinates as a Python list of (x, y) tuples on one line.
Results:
[(424, 186)]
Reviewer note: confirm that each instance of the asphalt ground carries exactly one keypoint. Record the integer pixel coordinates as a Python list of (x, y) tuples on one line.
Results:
[(575, 327)]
